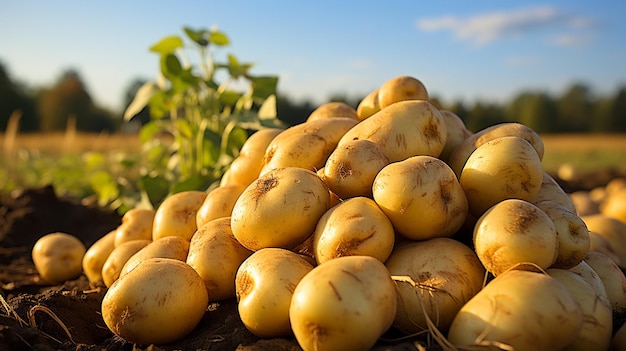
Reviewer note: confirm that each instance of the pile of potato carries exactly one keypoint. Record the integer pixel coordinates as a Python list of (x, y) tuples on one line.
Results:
[(355, 221)]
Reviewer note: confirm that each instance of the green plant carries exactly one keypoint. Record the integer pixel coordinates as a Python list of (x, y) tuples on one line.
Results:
[(201, 114)]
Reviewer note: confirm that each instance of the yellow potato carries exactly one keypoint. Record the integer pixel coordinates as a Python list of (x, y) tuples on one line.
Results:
[(280, 209), (215, 254), (113, 265), (618, 342), (368, 106), (218, 203), (96, 255), (160, 301), (584, 270), (333, 109), (400, 89), (404, 129), (446, 274), (461, 153), (550, 190), (597, 326), (503, 168), (456, 133), (351, 168), (583, 203), (344, 304), (571, 231), (58, 257), (265, 282), (522, 310), (614, 205), (176, 215), (136, 225), (422, 197), (515, 232), (612, 277), (173, 247), (613, 230), (356, 226), (598, 243)]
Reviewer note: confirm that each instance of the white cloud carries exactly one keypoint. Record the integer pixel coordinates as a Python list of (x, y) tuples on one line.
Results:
[(570, 40), (485, 28), (522, 61)]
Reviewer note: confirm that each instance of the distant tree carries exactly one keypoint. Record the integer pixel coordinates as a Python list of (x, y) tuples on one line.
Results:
[(14, 98), (459, 108), (350, 101), (293, 113), (575, 109), (534, 109), (69, 98), (483, 115)]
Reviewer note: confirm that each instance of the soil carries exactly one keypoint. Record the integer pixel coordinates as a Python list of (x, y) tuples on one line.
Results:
[(38, 316)]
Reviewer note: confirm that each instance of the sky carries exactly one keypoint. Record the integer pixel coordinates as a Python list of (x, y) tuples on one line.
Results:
[(460, 50)]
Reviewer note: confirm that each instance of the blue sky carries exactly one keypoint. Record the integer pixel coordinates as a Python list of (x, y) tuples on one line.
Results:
[(459, 49)]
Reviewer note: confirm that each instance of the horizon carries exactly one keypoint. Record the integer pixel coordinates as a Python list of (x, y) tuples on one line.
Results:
[(488, 51)]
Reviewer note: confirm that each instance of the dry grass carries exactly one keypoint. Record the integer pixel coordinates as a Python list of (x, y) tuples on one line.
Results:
[(585, 152), (62, 143)]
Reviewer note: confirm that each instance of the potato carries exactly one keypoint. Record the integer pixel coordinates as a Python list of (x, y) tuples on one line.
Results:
[(461, 153), (598, 243), (173, 247), (611, 229), (95, 257), (113, 265), (176, 215), (583, 203), (264, 284), (521, 310), (515, 232), (246, 167), (351, 168), (368, 106), (216, 255), (404, 129), (280, 209), (444, 274), (306, 145), (614, 205), (356, 226), (422, 197), (550, 190), (618, 342), (503, 168), (571, 231), (597, 326), (160, 301), (612, 277), (584, 270), (456, 132), (400, 89), (344, 304), (218, 203), (136, 225), (333, 109), (58, 257)]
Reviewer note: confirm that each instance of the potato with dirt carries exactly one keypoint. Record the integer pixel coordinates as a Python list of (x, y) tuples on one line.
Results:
[(456, 133), (611, 229), (368, 105), (351, 168), (280, 209), (612, 277), (116, 260), (422, 197), (331, 110), (264, 285), (216, 255), (515, 233), (401, 88), (344, 304), (503, 168), (435, 278), (176, 215), (96, 255), (219, 203), (58, 257), (173, 247), (160, 301), (356, 226), (520, 310), (403, 129), (136, 225)]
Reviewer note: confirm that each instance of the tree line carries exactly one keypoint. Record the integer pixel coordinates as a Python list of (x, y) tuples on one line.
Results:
[(577, 110)]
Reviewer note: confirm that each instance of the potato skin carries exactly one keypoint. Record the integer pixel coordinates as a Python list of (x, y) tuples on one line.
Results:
[(280, 209), (95, 257), (519, 300), (114, 264), (136, 225), (401, 88), (176, 215), (58, 257), (159, 302)]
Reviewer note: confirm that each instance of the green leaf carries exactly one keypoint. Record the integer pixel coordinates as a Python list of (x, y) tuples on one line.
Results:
[(263, 87), (197, 36), (237, 69), (167, 45), (149, 131), (229, 97), (105, 186), (218, 38), (141, 100), (184, 128), (171, 66), (156, 187), (268, 108)]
